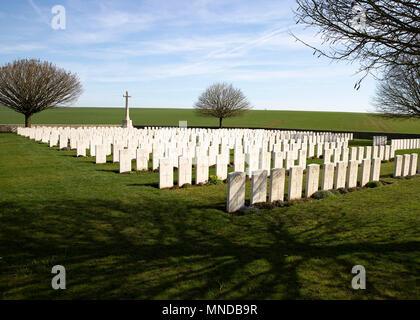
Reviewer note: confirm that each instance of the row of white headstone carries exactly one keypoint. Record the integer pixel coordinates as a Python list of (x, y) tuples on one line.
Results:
[(358, 153), (343, 175), (202, 135), (252, 162), (174, 142), (405, 144), (128, 144), (346, 176), (380, 140), (406, 165)]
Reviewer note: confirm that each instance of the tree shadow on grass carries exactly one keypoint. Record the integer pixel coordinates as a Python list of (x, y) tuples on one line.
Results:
[(111, 170), (172, 249), (154, 185)]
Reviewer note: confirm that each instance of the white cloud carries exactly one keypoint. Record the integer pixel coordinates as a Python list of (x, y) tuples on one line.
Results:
[(20, 48)]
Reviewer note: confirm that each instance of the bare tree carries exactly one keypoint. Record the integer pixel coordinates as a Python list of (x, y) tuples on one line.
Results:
[(377, 33), (398, 94), (29, 86), (222, 100)]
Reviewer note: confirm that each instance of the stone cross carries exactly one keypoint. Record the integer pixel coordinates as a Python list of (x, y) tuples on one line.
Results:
[(127, 123)]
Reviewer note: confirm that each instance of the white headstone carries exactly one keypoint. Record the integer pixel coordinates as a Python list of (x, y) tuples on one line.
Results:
[(277, 181), (398, 166), (142, 160), (312, 179), (166, 174), (327, 176), (376, 169), (100, 154), (277, 159), (413, 164), (365, 172), (184, 171), (295, 183), (239, 162), (406, 165), (235, 191), (352, 172), (259, 186), (125, 160), (340, 175), (221, 167), (80, 148), (201, 169)]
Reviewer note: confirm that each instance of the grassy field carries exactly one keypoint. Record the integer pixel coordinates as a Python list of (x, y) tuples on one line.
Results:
[(339, 121), (120, 237)]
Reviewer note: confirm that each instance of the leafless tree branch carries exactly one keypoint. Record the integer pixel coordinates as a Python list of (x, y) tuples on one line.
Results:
[(398, 94), (377, 33)]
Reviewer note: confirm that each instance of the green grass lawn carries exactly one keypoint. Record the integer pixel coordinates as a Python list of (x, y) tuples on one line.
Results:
[(339, 121), (120, 237)]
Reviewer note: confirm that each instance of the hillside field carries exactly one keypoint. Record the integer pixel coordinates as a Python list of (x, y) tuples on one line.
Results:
[(338, 121)]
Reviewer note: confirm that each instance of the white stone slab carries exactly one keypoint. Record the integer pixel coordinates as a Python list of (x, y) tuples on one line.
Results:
[(375, 171), (352, 173), (80, 149), (365, 172), (413, 164), (277, 182), (235, 191), (201, 170), (221, 167), (406, 165), (277, 159), (239, 162), (340, 175), (295, 183), (63, 141), (184, 171), (125, 160), (166, 174), (327, 176), (398, 166), (312, 179), (259, 186), (100, 154), (116, 152), (142, 160)]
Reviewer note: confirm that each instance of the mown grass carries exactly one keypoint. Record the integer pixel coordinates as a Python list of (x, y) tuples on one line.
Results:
[(339, 121), (120, 237)]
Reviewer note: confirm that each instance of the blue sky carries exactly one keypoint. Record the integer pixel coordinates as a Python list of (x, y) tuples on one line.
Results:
[(165, 53)]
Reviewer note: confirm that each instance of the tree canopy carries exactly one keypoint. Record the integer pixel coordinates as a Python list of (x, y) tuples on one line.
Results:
[(29, 86), (222, 100)]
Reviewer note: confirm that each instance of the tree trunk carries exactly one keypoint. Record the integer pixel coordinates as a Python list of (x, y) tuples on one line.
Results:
[(220, 122), (27, 120)]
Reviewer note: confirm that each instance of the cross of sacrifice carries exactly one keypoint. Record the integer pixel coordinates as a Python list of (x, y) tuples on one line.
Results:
[(127, 115)]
